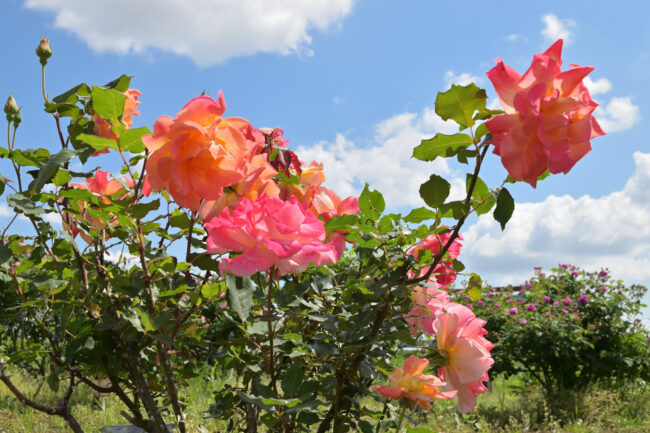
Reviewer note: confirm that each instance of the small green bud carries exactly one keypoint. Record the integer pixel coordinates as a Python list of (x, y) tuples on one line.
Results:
[(17, 119), (44, 51)]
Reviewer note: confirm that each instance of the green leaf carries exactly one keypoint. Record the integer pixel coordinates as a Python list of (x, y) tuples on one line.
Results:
[(70, 96), (23, 204), (98, 143), (341, 222), (441, 145), (435, 191), (240, 294), (459, 104), (108, 103), (62, 177), (211, 290), (5, 254), (131, 139), (481, 194), (454, 209), (475, 287), (292, 380), (47, 172), (420, 214), (141, 210), (145, 320), (121, 84), (371, 203), (505, 207), (418, 430)]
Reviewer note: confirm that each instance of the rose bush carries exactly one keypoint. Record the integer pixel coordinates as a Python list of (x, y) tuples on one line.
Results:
[(240, 257)]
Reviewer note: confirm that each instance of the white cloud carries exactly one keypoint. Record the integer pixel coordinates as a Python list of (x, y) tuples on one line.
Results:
[(338, 100), (5, 211), (462, 79), (619, 114), (611, 231), (601, 85), (385, 164), (207, 31), (513, 37), (556, 28), (53, 218), (120, 258)]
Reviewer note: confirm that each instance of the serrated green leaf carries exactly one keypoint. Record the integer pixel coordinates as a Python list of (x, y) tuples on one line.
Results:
[(23, 204), (371, 202), (292, 380), (505, 207), (435, 191), (62, 177), (459, 104), (141, 210), (211, 290), (47, 172), (108, 103), (98, 143), (145, 320), (475, 287), (70, 96), (441, 145), (420, 214), (121, 83), (131, 139), (240, 294), (454, 209)]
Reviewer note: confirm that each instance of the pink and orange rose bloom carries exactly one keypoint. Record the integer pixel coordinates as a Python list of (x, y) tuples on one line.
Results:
[(548, 123), (411, 384)]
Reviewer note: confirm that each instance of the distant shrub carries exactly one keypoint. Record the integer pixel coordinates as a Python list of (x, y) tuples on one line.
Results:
[(567, 330)]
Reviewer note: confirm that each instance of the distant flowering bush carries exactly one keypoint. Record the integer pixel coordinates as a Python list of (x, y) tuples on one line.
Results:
[(599, 338)]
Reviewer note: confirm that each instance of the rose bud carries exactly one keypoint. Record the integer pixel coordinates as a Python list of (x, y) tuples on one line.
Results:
[(44, 51)]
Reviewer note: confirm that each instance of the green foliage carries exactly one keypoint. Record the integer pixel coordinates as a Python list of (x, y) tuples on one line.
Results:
[(459, 104)]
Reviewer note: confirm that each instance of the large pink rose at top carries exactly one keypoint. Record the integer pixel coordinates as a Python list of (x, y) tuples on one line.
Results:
[(460, 337), (103, 129), (270, 232), (199, 153), (548, 122), (411, 384), (443, 274)]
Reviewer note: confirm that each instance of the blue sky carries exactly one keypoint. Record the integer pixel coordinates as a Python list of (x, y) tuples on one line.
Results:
[(353, 84)]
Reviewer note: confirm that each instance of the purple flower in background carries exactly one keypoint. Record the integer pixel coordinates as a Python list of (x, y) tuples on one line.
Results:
[(547, 299), (480, 303), (603, 288), (603, 273), (469, 306), (520, 301), (619, 291), (527, 285), (567, 301), (497, 305), (583, 299), (523, 321), (564, 266), (574, 274), (565, 311), (531, 307), (513, 310), (522, 291), (490, 294), (556, 302), (598, 337), (548, 313)]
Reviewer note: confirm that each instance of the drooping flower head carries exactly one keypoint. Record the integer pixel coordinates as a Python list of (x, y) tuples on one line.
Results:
[(548, 122), (460, 337), (411, 384), (443, 274), (270, 232)]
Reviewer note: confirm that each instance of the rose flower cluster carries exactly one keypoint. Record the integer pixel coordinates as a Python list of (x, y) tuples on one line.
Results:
[(253, 197)]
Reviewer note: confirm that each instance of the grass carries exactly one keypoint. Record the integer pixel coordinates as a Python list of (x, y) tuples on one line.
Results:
[(512, 407)]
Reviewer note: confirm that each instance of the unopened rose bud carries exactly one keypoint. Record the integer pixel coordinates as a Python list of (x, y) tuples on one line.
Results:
[(11, 108), (44, 51)]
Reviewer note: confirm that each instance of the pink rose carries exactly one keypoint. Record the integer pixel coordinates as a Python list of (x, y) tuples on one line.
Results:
[(411, 384), (270, 232), (427, 302), (460, 337), (548, 122)]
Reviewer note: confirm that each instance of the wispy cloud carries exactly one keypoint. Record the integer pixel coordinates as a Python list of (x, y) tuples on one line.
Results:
[(556, 28)]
